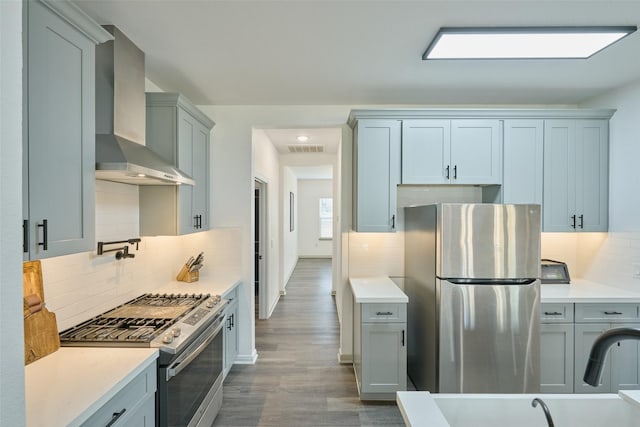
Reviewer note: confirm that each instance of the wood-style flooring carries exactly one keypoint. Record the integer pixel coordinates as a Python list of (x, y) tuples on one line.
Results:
[(297, 380)]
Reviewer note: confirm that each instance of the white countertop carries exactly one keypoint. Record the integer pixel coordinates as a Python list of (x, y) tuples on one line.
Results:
[(585, 291), (376, 290), (69, 385)]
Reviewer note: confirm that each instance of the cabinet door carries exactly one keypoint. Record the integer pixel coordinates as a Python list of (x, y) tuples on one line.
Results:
[(585, 335), (384, 357), (426, 151), (476, 152), (61, 136), (187, 130), (377, 163), (559, 176), (592, 175), (201, 175), (625, 363), (230, 337), (523, 143), (556, 358)]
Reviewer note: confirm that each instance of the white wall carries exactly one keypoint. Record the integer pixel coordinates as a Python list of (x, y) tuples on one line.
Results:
[(289, 238), (310, 191), (267, 169), (12, 405)]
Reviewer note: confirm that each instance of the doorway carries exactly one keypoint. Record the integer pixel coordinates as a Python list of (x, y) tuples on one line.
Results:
[(259, 245)]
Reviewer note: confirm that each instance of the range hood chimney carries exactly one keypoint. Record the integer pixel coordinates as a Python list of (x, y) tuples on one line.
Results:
[(121, 155)]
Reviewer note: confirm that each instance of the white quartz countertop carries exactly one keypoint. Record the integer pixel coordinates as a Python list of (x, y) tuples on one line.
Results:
[(585, 291), (376, 290), (69, 385)]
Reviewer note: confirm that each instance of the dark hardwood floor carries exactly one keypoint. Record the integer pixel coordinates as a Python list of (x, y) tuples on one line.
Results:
[(297, 380)]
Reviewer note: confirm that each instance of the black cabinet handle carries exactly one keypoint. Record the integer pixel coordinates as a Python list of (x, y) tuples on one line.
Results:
[(455, 172), (199, 221), (573, 221), (447, 172), (581, 221), (25, 235), (384, 313), (403, 337), (612, 313), (228, 323), (115, 417), (552, 313), (45, 239), (393, 221)]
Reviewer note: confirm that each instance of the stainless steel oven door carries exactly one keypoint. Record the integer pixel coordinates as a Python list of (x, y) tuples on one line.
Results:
[(189, 385)]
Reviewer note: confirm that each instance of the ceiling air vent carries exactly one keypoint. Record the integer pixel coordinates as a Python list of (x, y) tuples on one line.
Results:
[(306, 148)]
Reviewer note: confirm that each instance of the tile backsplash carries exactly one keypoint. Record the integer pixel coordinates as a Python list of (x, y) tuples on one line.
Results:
[(80, 286)]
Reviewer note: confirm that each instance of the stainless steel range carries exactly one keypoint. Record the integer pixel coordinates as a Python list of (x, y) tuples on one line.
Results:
[(187, 330)]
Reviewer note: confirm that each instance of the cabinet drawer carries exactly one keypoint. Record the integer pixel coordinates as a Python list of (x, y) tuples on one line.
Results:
[(600, 312), (127, 399), (556, 313), (384, 312)]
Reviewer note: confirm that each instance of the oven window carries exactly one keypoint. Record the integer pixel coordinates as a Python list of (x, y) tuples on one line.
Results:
[(187, 390)]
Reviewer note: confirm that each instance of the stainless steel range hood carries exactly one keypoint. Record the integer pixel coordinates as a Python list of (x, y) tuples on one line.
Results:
[(121, 155)]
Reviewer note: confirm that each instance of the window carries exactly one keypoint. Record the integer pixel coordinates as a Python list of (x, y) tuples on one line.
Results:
[(326, 218)]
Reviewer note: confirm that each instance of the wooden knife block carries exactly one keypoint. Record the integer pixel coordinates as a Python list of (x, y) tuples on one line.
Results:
[(40, 329), (187, 276)]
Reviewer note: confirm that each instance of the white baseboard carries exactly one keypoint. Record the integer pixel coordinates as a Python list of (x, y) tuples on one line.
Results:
[(344, 359), (247, 359), (273, 306), (315, 256)]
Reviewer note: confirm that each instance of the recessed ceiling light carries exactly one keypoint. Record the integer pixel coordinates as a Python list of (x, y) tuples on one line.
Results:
[(523, 42), (302, 138)]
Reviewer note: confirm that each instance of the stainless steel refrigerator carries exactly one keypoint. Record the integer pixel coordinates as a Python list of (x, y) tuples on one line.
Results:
[(472, 278)]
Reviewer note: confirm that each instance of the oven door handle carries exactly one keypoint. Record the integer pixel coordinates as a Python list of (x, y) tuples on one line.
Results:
[(180, 364)]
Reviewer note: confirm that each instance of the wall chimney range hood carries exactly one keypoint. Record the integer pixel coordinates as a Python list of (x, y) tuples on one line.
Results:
[(121, 155)]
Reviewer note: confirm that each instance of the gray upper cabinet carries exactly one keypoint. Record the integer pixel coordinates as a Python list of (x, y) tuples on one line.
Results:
[(180, 133), (377, 174), (59, 142), (523, 167), (438, 151), (576, 175)]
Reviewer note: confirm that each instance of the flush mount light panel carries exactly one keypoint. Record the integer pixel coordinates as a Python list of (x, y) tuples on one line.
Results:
[(523, 42)]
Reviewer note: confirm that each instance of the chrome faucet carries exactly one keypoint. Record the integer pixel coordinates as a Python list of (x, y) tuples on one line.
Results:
[(599, 350), (545, 408)]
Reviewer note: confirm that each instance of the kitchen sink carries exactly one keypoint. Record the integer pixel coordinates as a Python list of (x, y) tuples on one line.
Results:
[(484, 410)]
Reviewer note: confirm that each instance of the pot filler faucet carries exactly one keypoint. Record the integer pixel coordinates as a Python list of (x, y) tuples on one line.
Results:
[(599, 350)]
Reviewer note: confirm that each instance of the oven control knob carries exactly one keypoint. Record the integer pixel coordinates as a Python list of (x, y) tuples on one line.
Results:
[(176, 332), (210, 304), (167, 339)]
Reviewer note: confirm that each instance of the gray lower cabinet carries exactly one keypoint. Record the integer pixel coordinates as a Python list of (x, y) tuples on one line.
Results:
[(59, 136), (380, 350), (132, 406), (622, 366), (230, 337), (178, 131), (556, 348)]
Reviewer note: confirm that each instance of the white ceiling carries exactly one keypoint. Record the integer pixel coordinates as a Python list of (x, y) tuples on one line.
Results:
[(313, 172), (360, 52), (328, 138)]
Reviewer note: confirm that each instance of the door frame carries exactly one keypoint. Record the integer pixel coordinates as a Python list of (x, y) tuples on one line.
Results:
[(261, 185)]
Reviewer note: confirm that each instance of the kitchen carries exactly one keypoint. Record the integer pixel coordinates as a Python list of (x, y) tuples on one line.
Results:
[(607, 258)]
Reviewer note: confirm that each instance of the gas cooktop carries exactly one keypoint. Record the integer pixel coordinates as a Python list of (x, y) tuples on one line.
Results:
[(150, 320)]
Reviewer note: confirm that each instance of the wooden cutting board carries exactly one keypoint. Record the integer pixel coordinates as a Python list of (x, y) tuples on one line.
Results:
[(40, 329)]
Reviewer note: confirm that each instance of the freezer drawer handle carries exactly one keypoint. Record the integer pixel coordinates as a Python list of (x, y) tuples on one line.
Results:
[(552, 313), (384, 313), (612, 313), (115, 417)]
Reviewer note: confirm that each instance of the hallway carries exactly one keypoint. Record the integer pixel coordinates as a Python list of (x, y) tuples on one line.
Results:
[(297, 380)]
